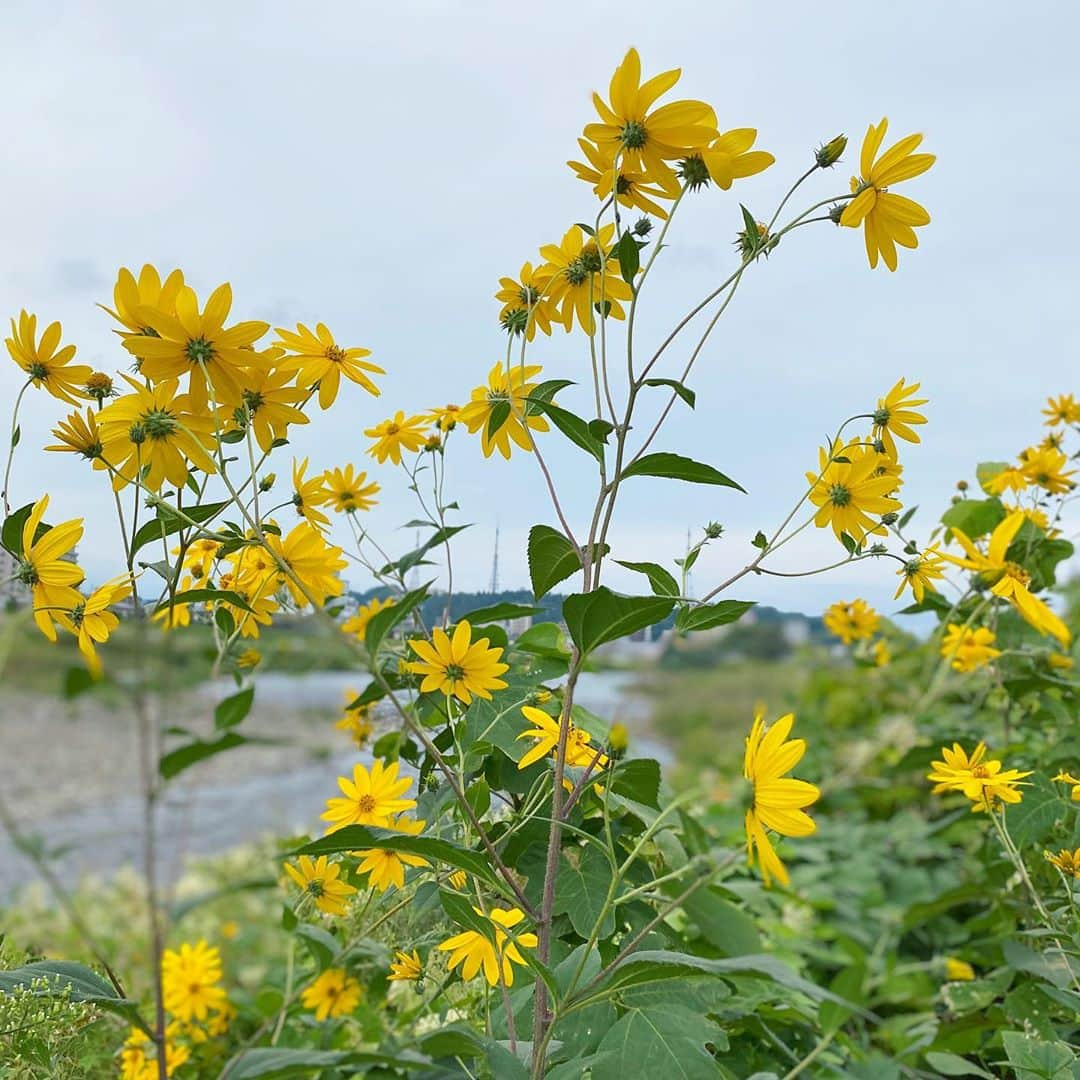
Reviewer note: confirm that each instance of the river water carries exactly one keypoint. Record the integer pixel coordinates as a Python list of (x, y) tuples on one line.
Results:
[(207, 818)]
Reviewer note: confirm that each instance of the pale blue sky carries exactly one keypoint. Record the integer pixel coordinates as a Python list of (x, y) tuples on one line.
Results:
[(379, 168)]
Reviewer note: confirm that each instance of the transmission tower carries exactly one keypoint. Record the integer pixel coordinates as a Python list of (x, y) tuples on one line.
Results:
[(495, 565)]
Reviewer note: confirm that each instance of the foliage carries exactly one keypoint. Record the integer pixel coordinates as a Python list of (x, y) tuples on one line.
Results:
[(504, 889)]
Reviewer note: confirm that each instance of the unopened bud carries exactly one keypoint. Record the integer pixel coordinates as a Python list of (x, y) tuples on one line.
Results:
[(643, 226), (890, 518), (835, 213), (961, 485), (267, 482), (714, 530), (828, 155)]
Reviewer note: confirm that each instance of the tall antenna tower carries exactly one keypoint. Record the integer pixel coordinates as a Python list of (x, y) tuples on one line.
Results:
[(494, 588)]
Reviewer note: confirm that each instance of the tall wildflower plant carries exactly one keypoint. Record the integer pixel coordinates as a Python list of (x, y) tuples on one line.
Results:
[(558, 885)]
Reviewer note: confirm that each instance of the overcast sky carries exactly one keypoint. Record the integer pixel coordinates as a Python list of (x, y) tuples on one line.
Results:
[(378, 167)]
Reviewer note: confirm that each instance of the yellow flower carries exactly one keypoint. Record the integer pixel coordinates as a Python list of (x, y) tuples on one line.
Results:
[(189, 979), (1068, 862), (1066, 778), (309, 495), (371, 798), (269, 401), (984, 782), (632, 188), (525, 307), (348, 490), (881, 653), (1008, 579), (320, 879), (405, 967), (79, 435), (729, 157), (45, 568), (357, 722), (445, 417), (848, 491), (99, 386), (501, 410), (645, 139), (780, 802), (1011, 478), (45, 363), (970, 648), (159, 428), (545, 730), (249, 659), (397, 434), (312, 560), (579, 279), (198, 343), (332, 994), (1064, 409), (473, 950), (130, 295), (386, 867), (618, 737), (459, 879), (888, 219), (854, 621), (1046, 468), (458, 665), (319, 359), (1060, 661), (358, 623), (958, 970), (895, 416), (91, 621), (920, 572)]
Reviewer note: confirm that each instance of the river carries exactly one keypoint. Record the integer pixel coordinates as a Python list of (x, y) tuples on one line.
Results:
[(204, 818)]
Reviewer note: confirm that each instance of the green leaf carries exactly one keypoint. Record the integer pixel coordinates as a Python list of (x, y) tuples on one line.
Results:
[(500, 613), (16, 435), (278, 1062), (760, 541), (232, 710), (1032, 821), (168, 523), (198, 596), (659, 1042), (544, 639), (601, 615), (850, 546), (573, 427), (906, 516), (81, 983), (684, 392), (176, 761), (500, 413), (600, 429), (461, 911), (753, 237), (544, 392), (360, 837), (77, 681), (677, 467), (629, 255), (706, 616), (638, 779), (722, 924), (11, 534), (985, 471), (581, 889), (662, 581), (651, 966), (382, 622), (322, 945), (1033, 1058), (974, 517), (947, 1064), (416, 556), (552, 558)]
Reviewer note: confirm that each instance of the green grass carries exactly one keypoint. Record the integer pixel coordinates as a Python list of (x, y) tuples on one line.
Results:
[(704, 715), (170, 661)]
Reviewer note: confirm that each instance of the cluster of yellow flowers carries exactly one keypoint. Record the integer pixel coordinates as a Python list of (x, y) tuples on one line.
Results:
[(195, 1001)]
